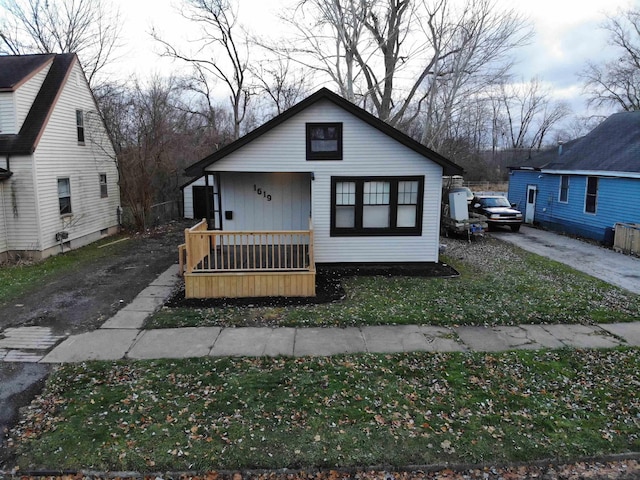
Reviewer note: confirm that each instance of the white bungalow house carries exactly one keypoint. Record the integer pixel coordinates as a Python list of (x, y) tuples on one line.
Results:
[(58, 176), (350, 188)]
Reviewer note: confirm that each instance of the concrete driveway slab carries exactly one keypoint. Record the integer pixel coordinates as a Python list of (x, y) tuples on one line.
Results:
[(630, 332), (174, 343), (96, 345), (328, 341), (254, 342), (28, 338)]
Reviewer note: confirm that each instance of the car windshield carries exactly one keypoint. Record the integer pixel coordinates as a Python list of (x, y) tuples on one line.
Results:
[(495, 202)]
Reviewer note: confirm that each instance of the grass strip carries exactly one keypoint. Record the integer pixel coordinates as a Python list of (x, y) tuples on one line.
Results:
[(355, 410), (500, 285)]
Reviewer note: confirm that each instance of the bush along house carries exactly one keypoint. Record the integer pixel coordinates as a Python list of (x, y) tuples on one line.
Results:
[(324, 182)]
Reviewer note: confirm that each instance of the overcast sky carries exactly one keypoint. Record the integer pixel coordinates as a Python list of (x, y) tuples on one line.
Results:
[(567, 34)]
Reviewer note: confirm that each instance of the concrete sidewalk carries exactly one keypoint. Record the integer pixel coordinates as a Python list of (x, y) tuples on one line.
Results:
[(114, 344), (122, 337), (612, 267)]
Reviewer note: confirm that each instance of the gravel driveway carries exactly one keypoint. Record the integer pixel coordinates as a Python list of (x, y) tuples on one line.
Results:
[(78, 301)]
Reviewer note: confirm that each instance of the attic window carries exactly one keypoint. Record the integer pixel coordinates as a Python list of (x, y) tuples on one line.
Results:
[(324, 141), (80, 126)]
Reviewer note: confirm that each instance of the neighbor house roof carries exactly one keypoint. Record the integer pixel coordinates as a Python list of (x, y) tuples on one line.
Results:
[(613, 146), (15, 70), (449, 168)]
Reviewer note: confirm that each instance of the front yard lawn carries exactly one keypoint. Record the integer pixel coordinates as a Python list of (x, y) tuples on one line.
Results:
[(356, 410), (499, 284)]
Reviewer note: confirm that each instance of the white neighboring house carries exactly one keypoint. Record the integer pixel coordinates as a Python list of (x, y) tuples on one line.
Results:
[(372, 192), (58, 176)]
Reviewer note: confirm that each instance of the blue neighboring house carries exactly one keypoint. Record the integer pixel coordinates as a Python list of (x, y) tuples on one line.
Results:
[(585, 186)]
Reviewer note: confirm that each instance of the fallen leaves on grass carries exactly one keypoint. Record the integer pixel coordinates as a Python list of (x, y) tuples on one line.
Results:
[(379, 409)]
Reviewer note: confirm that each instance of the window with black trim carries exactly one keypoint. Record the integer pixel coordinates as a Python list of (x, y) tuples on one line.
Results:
[(376, 206), (64, 196), (104, 192), (324, 141), (564, 189), (591, 198), (80, 125)]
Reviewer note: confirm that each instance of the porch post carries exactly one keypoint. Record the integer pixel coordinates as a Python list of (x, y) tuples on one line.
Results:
[(208, 201)]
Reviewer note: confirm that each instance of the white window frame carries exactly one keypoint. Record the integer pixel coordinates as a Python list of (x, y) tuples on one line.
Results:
[(60, 197)]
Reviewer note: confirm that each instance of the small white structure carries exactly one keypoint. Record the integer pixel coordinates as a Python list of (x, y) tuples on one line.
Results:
[(58, 176), (373, 193)]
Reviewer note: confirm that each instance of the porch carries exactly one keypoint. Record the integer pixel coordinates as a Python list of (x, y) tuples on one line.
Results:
[(236, 264)]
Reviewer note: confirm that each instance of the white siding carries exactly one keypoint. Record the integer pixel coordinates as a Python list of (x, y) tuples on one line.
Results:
[(288, 209), (366, 152), (19, 207), (26, 94), (59, 155), (7, 113)]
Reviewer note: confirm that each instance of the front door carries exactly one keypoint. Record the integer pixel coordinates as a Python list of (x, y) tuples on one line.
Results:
[(530, 211), (200, 196)]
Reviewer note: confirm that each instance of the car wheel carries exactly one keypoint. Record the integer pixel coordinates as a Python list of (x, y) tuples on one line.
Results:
[(491, 227), (515, 228)]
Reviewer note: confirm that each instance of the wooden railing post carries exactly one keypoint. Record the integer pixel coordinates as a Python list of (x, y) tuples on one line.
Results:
[(246, 251)]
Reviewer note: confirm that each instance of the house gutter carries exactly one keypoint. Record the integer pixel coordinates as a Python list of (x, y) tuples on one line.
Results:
[(593, 173)]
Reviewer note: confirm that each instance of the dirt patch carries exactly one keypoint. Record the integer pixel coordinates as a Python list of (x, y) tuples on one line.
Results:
[(83, 298)]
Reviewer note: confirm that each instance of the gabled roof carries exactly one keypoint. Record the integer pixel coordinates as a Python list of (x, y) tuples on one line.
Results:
[(449, 168), (613, 146), (25, 141), (15, 69)]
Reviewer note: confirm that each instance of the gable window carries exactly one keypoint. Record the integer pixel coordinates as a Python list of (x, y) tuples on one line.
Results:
[(591, 198), (376, 206), (324, 141), (564, 189), (103, 186), (80, 125), (64, 196)]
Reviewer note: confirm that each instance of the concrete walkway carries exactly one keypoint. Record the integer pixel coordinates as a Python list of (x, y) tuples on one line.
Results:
[(122, 337)]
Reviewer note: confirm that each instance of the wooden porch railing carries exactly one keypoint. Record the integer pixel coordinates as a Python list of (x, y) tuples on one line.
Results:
[(242, 251)]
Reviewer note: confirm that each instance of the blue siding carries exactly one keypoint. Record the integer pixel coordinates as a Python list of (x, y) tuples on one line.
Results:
[(617, 201)]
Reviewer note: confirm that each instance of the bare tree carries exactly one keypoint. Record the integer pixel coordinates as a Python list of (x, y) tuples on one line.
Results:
[(617, 83), (280, 82), (391, 54), (90, 28), (218, 29), (155, 135), (527, 114)]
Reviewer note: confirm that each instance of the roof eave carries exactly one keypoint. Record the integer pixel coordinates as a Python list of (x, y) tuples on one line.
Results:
[(449, 167)]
